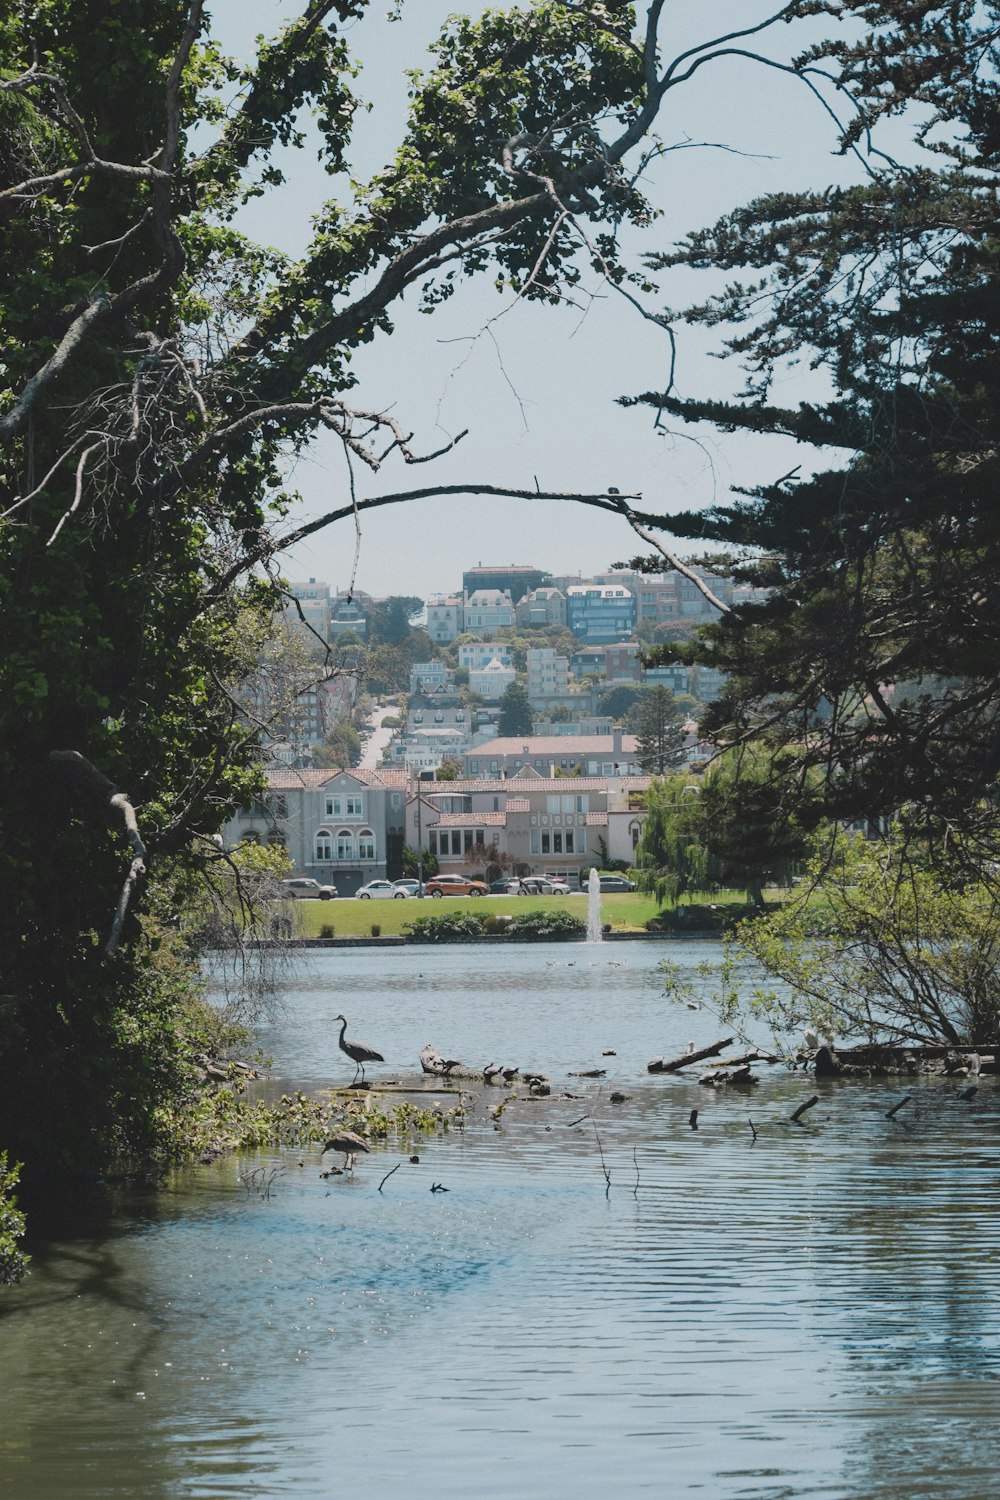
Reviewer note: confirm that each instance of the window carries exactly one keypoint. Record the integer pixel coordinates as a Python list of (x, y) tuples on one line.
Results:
[(557, 839), (534, 841), (568, 836), (332, 807), (352, 807), (345, 845), (324, 844), (546, 842), (366, 844)]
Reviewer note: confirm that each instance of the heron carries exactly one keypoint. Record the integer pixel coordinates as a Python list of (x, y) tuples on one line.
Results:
[(358, 1052), (350, 1143)]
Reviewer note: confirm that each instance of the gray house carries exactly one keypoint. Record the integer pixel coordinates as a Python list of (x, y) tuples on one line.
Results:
[(343, 828)]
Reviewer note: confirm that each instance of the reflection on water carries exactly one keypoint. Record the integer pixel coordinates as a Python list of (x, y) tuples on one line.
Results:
[(814, 1314)]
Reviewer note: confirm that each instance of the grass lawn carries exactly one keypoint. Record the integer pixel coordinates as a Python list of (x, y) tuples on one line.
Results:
[(625, 910)]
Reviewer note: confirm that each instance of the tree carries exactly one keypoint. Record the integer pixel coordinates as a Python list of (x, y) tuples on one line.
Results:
[(735, 825), (516, 717), (391, 619), (618, 700), (874, 651), (659, 726), (413, 863), (889, 952), (341, 748), (670, 857), (161, 376)]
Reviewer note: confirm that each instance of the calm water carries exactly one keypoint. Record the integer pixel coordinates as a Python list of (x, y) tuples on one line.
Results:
[(815, 1314)]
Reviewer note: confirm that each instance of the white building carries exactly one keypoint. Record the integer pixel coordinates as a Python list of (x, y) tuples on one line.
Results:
[(476, 654), (492, 680), (313, 611), (445, 617), (487, 610), (548, 674)]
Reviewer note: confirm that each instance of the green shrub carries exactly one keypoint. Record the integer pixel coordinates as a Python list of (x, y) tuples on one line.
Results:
[(327, 930), (13, 1262), (547, 924), (448, 928), (376, 929)]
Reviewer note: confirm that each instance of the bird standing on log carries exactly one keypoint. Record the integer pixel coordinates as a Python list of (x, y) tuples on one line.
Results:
[(358, 1052)]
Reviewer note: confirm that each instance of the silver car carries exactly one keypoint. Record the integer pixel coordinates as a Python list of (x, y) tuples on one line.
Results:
[(304, 889)]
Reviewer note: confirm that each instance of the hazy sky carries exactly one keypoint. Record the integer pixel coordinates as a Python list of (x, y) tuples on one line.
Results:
[(537, 388)]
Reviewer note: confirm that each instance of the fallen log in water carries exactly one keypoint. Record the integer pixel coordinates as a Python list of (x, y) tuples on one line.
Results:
[(671, 1065), (722, 1077), (877, 1058), (745, 1057)]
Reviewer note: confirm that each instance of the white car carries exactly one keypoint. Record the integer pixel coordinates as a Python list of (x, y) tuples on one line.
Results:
[(382, 890)]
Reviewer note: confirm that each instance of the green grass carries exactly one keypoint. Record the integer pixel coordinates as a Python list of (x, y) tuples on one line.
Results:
[(626, 911)]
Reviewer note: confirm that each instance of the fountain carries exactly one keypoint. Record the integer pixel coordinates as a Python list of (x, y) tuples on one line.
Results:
[(594, 932)]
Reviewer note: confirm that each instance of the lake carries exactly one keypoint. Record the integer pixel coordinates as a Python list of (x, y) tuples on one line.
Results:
[(811, 1313)]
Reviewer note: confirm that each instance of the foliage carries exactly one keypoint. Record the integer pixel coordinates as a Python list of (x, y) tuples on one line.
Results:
[(413, 865), (658, 722), (449, 927), (161, 376), (13, 1261), (227, 1118), (391, 619), (735, 825), (618, 700), (516, 717), (546, 924), (873, 654), (340, 749), (671, 856), (873, 947)]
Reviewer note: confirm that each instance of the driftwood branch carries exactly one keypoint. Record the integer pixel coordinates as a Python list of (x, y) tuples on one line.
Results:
[(671, 1065)]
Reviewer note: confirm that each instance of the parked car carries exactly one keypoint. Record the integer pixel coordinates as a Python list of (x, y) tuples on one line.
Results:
[(454, 885), (304, 889), (616, 883), (540, 885), (506, 887), (382, 890), (411, 887)]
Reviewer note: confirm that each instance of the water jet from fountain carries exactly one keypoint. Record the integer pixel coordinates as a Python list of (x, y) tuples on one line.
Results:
[(595, 932)]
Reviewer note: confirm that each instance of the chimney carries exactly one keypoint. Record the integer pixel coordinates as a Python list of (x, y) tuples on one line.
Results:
[(616, 742)]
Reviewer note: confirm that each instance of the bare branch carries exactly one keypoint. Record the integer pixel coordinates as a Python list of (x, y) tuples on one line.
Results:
[(674, 561), (118, 811), (77, 492)]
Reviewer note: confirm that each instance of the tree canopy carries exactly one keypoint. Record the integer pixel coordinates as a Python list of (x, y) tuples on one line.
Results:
[(874, 651), (658, 722), (161, 373), (516, 715)]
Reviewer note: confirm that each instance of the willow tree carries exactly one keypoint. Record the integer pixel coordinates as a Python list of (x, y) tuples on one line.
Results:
[(159, 373)]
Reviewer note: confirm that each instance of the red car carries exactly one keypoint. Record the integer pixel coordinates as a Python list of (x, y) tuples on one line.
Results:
[(454, 885)]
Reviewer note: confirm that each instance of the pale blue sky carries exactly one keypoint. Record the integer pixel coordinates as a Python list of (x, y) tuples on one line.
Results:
[(537, 391)]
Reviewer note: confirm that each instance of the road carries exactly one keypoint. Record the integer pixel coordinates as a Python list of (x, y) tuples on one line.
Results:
[(371, 756)]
